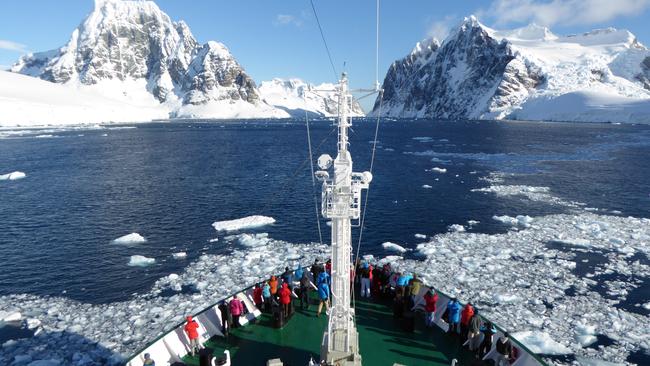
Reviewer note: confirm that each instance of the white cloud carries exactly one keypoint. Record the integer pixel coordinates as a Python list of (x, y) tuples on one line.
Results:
[(563, 12), (12, 46), (439, 29), (286, 19)]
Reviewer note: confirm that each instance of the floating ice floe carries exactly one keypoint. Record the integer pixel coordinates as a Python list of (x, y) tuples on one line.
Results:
[(13, 176), (394, 247), (243, 223), (141, 261), (426, 186), (422, 139), (133, 238), (253, 240), (457, 228), (420, 236), (438, 170), (10, 316), (179, 255), (519, 221), (540, 342), (537, 194)]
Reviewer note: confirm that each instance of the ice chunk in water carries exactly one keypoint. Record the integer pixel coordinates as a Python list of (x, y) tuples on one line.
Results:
[(541, 342), (179, 255), (426, 186), (439, 170), (456, 228), (141, 261), (420, 236), (243, 223), (13, 176), (394, 247), (133, 238), (11, 316)]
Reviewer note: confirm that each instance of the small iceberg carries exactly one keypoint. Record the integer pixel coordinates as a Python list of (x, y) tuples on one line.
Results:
[(439, 170), (243, 223), (13, 176), (133, 238), (541, 343), (141, 261), (394, 247), (179, 255), (426, 186)]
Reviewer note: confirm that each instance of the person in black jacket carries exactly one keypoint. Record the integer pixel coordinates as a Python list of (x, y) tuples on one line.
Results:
[(504, 349), (305, 288), (488, 330), (474, 331), (226, 318)]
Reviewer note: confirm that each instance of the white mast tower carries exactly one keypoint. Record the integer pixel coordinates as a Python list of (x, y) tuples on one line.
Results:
[(341, 203)]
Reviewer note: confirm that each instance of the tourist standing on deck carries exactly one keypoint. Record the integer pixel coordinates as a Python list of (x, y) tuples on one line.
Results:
[(257, 296), (430, 299), (305, 288), (192, 331), (236, 309), (365, 280), (474, 332), (465, 316), (273, 282), (323, 294), (287, 277), (266, 294), (504, 349), (316, 269), (148, 361), (488, 330), (298, 273), (226, 318), (453, 306), (285, 299)]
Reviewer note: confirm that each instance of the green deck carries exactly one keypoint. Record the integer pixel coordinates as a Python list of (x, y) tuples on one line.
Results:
[(381, 340)]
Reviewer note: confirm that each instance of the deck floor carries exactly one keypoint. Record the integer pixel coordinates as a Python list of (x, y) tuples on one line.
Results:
[(381, 340)]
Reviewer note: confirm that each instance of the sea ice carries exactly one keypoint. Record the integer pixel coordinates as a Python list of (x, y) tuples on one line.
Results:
[(243, 223), (420, 236), (541, 342), (426, 186), (179, 255), (439, 170), (133, 238), (520, 220), (141, 261), (253, 240), (456, 228), (394, 247), (13, 176)]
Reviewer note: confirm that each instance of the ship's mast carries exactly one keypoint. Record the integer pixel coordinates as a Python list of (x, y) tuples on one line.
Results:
[(341, 203)]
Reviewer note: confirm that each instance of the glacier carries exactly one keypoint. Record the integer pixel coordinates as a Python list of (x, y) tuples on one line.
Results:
[(522, 74), (297, 97)]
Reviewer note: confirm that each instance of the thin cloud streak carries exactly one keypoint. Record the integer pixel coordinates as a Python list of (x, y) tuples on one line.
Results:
[(562, 12), (12, 46)]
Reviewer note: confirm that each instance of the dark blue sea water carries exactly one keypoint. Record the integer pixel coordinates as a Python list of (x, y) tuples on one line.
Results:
[(170, 181)]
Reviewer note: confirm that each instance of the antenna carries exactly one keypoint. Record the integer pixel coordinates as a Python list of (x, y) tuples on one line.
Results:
[(377, 51)]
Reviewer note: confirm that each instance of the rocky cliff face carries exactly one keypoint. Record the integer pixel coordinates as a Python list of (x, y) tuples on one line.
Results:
[(128, 47), (481, 73)]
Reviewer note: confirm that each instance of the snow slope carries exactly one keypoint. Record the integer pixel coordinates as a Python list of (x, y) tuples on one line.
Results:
[(526, 73), (28, 101), (297, 97)]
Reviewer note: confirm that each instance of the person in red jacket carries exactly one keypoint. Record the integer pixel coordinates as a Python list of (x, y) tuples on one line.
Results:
[(236, 309), (465, 316), (430, 300), (257, 296), (285, 299), (192, 331)]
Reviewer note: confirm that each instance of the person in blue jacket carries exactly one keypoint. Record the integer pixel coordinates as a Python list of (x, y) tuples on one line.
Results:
[(454, 315), (323, 295), (298, 272)]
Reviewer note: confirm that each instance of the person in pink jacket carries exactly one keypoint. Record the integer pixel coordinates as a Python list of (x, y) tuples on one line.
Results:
[(236, 309)]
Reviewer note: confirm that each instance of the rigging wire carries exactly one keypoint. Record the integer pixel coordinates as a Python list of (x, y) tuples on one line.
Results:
[(313, 179), (365, 203), (320, 28)]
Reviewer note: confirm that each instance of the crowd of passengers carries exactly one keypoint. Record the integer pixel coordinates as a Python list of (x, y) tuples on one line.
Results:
[(380, 283)]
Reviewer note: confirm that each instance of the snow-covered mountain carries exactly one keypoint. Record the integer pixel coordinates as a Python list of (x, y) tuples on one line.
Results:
[(132, 51), (527, 73), (296, 96)]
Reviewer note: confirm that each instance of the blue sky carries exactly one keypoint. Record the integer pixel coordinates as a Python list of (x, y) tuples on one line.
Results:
[(280, 38)]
